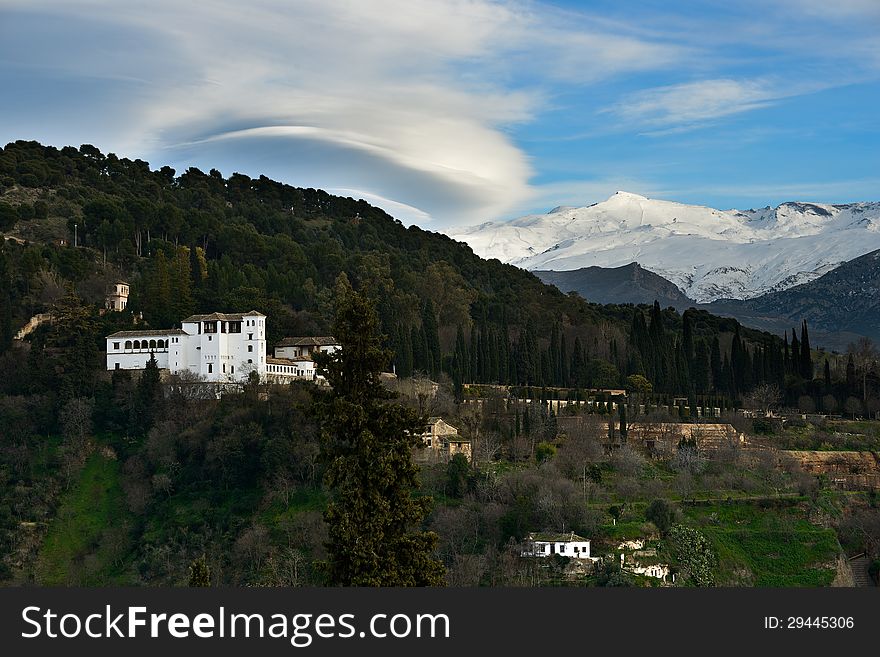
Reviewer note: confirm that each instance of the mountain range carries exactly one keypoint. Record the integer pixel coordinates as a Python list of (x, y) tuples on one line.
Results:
[(708, 254), (770, 268)]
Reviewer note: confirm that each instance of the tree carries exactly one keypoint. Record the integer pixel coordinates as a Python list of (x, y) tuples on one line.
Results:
[(694, 555), (662, 514), (853, 406), (864, 353), (763, 397), (457, 471), (806, 364), (367, 442), (199, 573), (147, 398)]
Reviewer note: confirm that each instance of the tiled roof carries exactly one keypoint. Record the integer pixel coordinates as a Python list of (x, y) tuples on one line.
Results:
[(555, 538), (146, 334), (289, 361), (226, 317), (309, 341)]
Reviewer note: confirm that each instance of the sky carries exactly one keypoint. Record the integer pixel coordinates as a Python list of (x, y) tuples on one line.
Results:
[(449, 113)]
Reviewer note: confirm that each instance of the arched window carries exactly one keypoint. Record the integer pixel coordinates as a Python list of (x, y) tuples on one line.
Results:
[(128, 344), (152, 344), (137, 344)]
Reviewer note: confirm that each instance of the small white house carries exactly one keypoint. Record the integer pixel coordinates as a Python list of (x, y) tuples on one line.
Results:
[(566, 545)]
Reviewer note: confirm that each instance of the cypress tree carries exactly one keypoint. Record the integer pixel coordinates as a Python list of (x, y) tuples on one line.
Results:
[(565, 380), (147, 398), (432, 338), (688, 336), (806, 365), (795, 360), (700, 374), (474, 354), (786, 360), (827, 375), (715, 363), (850, 376), (6, 333), (577, 363), (417, 343), (373, 519)]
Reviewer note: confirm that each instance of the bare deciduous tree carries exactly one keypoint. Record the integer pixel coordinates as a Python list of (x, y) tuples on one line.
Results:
[(764, 398)]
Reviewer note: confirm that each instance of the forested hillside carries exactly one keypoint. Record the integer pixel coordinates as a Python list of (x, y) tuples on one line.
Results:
[(198, 242), (130, 479)]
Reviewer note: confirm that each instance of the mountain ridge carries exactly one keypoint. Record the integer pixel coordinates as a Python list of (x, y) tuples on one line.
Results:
[(709, 254)]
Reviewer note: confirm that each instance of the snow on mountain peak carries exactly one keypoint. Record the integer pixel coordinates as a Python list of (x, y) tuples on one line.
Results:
[(708, 253)]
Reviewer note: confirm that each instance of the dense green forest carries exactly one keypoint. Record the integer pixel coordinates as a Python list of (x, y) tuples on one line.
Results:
[(127, 478), (199, 242)]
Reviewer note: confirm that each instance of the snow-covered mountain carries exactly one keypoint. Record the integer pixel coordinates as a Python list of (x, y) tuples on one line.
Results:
[(709, 254)]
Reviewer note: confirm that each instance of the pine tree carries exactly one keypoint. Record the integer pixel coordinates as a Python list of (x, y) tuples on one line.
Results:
[(367, 440)]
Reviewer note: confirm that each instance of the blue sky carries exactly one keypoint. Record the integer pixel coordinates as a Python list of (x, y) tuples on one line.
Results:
[(451, 112)]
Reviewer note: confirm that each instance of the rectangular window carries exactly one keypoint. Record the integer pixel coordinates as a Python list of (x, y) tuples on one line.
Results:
[(223, 327), (210, 338), (210, 368), (117, 366), (233, 369), (116, 345), (235, 327), (250, 347), (224, 368), (250, 336)]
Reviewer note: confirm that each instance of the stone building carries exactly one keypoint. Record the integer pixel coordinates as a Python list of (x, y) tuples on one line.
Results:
[(441, 442)]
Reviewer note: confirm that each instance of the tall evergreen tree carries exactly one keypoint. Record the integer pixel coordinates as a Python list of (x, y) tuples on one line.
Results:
[(700, 374), (373, 517), (432, 337), (795, 361), (147, 398), (806, 360), (715, 363), (851, 376), (827, 372)]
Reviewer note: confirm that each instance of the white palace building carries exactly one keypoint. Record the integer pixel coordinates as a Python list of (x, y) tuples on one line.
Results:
[(220, 348)]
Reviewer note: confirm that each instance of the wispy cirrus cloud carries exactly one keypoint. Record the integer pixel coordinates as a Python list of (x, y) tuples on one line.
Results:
[(692, 104)]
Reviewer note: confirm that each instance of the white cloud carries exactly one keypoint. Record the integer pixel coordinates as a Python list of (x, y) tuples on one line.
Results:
[(426, 86), (692, 103)]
